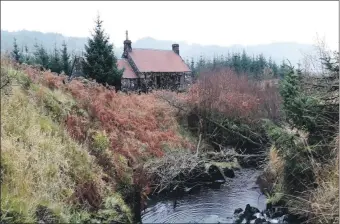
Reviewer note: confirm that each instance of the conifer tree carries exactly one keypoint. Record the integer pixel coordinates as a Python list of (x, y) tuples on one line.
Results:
[(201, 63), (41, 56), (55, 63), (283, 70), (236, 63), (100, 62), (275, 69), (214, 62), (245, 62), (16, 53), (228, 60), (192, 64), (26, 57), (262, 62), (65, 60)]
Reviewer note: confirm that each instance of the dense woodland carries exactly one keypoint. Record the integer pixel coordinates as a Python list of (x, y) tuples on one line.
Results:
[(255, 67), (57, 61)]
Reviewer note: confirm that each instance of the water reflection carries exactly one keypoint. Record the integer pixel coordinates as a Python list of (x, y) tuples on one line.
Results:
[(209, 205)]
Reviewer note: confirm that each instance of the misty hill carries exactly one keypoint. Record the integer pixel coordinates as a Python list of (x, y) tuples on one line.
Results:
[(29, 38), (277, 51)]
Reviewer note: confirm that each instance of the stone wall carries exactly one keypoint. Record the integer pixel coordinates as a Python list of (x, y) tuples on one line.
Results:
[(129, 84), (170, 81), (163, 80)]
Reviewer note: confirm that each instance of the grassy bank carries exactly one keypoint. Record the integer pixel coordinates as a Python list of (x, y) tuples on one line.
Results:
[(69, 149)]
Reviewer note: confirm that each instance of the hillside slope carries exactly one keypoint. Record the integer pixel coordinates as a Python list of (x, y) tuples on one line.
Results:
[(68, 150)]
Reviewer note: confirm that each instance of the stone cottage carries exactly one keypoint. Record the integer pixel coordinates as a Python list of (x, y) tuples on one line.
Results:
[(147, 69)]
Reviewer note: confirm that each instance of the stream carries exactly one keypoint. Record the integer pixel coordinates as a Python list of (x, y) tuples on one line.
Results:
[(208, 205)]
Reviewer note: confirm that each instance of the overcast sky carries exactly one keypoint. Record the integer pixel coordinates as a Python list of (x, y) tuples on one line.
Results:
[(219, 23)]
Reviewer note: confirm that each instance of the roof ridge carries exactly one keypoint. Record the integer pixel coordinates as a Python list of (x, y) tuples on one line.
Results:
[(150, 49)]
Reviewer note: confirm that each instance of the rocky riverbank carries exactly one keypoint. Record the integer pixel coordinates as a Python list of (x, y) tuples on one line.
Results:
[(272, 214)]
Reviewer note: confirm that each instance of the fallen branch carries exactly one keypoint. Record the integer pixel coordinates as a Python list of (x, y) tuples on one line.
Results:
[(198, 144), (5, 84)]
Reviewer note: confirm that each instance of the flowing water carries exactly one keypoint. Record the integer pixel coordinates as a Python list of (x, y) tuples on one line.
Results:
[(209, 205)]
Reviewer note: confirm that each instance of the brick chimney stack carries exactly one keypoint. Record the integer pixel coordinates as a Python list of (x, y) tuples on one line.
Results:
[(127, 46), (175, 48)]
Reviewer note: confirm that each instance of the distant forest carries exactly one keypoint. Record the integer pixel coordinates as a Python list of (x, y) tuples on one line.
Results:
[(276, 51), (255, 67), (59, 60), (56, 52)]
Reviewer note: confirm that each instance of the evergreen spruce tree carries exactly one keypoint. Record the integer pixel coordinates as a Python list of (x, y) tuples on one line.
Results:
[(270, 63), (201, 64), (236, 63), (245, 62), (221, 61), (257, 67), (16, 53), (26, 57), (192, 67), (192, 64), (208, 64), (55, 63), (214, 62), (275, 69), (262, 62), (41, 56), (65, 60), (100, 62), (283, 70)]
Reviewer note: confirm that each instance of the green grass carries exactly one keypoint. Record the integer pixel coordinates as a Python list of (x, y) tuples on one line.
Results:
[(41, 165)]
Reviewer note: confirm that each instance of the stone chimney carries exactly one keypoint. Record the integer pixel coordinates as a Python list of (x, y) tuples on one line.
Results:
[(175, 48), (127, 46)]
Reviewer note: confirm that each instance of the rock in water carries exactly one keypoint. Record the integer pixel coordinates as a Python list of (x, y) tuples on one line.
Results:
[(260, 221), (215, 173), (249, 213), (238, 211), (255, 210), (250, 210), (229, 172)]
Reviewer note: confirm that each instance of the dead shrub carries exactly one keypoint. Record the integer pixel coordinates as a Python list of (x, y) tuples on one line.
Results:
[(89, 195)]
